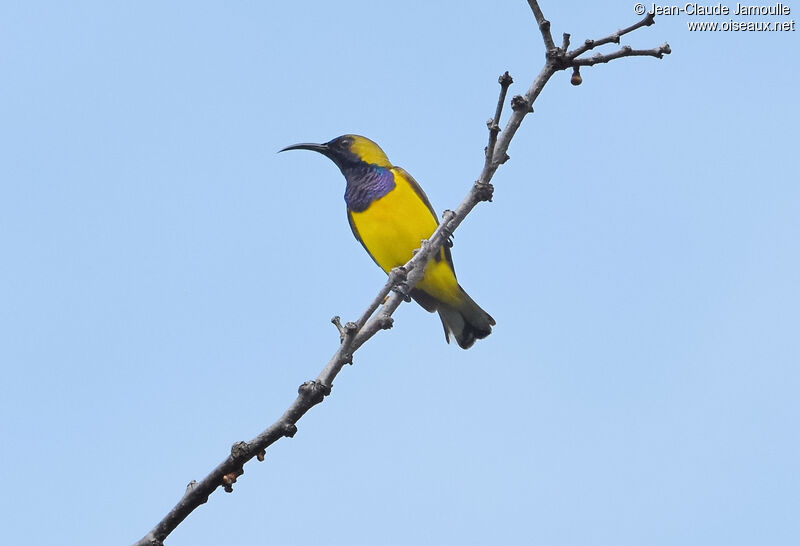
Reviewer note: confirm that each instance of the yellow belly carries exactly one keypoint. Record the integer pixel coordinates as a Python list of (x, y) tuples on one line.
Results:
[(394, 226)]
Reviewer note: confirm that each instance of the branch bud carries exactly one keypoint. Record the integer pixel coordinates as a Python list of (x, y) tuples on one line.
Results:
[(238, 449), (576, 76), (289, 430), (518, 102)]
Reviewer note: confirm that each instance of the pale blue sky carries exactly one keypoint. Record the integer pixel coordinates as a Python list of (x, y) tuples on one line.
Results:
[(168, 278)]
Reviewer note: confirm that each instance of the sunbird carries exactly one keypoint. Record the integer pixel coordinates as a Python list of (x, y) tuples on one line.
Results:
[(390, 215)]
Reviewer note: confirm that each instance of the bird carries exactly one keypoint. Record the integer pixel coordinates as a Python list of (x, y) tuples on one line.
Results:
[(390, 215)]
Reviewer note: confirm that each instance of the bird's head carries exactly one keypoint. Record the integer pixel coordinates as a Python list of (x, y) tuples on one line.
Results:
[(348, 151)]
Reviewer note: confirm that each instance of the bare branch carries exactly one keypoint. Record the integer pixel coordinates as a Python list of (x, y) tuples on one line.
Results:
[(345, 332), (378, 315), (614, 38), (337, 321), (625, 51), (505, 82), (544, 26)]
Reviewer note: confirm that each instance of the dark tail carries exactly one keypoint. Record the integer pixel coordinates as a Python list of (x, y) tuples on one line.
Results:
[(467, 322)]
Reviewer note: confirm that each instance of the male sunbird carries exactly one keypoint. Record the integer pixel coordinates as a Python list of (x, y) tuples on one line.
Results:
[(390, 215)]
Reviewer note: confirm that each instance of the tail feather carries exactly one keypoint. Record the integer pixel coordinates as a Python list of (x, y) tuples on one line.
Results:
[(467, 322)]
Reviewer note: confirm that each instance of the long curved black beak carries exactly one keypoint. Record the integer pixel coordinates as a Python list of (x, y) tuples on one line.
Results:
[(321, 148)]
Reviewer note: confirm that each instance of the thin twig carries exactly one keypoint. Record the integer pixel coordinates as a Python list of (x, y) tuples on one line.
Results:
[(625, 51), (493, 124), (544, 26), (614, 38), (505, 82)]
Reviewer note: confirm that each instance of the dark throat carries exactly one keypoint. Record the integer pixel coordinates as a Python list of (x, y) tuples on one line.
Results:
[(365, 184)]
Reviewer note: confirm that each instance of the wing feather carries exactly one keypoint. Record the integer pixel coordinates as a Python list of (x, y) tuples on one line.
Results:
[(421, 194)]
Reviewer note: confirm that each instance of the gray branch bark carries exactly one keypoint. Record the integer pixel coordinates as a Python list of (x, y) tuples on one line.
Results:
[(378, 315)]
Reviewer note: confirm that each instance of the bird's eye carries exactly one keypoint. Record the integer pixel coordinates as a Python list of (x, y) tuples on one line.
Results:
[(345, 143)]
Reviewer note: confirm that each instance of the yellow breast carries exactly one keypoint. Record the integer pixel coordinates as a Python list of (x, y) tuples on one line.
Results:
[(394, 226)]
